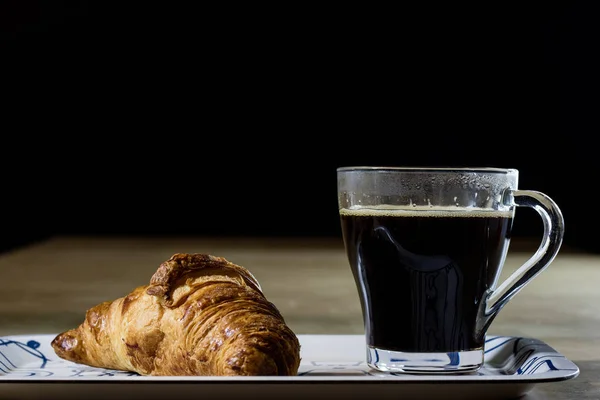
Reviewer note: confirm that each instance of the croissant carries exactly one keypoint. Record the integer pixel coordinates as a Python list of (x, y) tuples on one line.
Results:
[(200, 315)]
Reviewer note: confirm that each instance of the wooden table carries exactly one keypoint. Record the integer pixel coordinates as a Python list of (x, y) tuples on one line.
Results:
[(47, 287)]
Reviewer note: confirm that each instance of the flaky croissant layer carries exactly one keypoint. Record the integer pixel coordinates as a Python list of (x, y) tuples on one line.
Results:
[(200, 315)]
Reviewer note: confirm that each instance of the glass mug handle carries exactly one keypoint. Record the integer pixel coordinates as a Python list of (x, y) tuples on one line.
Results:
[(553, 221)]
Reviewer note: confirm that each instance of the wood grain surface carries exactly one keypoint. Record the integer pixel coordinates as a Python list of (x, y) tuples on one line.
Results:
[(47, 287)]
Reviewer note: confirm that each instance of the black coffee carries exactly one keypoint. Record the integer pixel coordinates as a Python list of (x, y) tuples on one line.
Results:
[(422, 274)]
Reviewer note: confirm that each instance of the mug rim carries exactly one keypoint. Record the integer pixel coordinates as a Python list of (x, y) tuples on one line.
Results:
[(382, 168)]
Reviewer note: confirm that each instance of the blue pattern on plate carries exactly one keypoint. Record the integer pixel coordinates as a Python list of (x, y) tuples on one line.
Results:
[(30, 348)]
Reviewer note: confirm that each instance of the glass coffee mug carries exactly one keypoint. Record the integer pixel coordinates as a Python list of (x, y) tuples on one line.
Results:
[(426, 247)]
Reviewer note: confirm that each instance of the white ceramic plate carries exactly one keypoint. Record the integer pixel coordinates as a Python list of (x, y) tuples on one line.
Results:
[(332, 367)]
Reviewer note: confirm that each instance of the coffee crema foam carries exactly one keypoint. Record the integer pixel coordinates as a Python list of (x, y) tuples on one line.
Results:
[(424, 211)]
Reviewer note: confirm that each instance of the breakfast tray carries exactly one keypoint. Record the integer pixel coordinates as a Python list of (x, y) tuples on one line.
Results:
[(332, 366)]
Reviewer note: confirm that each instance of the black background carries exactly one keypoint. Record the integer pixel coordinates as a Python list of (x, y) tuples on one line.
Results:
[(172, 118)]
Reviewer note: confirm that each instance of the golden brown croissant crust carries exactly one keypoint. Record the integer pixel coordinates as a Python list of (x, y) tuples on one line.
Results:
[(200, 315)]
